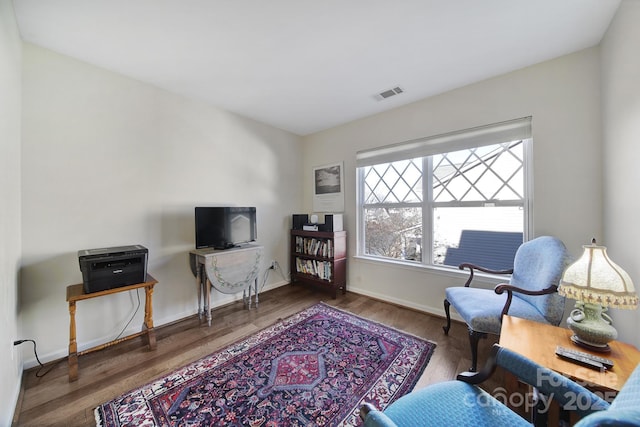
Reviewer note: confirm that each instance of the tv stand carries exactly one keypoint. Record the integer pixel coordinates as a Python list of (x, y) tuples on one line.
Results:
[(228, 271)]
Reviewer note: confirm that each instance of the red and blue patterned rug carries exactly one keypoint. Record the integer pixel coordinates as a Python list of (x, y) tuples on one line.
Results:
[(314, 368)]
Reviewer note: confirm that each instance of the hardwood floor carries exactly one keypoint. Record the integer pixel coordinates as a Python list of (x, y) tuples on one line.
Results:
[(51, 400)]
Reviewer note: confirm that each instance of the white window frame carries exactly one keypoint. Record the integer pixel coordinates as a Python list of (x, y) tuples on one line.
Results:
[(517, 129)]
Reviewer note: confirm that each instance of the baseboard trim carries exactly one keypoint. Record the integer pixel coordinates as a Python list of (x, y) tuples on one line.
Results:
[(439, 312)]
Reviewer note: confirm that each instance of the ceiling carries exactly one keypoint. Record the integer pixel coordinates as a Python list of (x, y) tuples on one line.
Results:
[(305, 66)]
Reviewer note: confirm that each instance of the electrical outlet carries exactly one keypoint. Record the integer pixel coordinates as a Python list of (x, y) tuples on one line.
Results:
[(274, 265)]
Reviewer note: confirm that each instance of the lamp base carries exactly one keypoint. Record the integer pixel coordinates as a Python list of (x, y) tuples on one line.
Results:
[(602, 348), (591, 326)]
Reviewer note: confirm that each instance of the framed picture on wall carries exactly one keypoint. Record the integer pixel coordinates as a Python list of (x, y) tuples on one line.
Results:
[(328, 188)]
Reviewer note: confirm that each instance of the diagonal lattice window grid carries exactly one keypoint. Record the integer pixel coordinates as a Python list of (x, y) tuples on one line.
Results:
[(474, 175), (395, 182)]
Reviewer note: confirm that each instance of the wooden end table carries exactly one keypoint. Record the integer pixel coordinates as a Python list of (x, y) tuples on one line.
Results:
[(76, 293), (538, 342)]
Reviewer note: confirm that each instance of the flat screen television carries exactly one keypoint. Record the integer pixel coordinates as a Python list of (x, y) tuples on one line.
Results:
[(225, 227)]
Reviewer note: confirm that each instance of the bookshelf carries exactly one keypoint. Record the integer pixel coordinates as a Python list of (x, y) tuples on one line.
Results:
[(319, 259)]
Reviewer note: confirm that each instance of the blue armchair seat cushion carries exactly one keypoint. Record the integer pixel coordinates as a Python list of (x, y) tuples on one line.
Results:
[(448, 403), (481, 309)]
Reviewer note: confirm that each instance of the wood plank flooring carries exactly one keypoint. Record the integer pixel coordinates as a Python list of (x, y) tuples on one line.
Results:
[(52, 401)]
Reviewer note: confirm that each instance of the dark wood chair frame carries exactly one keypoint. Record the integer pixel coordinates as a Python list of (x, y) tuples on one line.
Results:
[(474, 336)]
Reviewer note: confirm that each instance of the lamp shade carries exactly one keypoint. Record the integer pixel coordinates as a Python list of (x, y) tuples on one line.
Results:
[(595, 279)]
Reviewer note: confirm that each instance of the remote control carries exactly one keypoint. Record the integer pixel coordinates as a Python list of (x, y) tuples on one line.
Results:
[(584, 359), (608, 363)]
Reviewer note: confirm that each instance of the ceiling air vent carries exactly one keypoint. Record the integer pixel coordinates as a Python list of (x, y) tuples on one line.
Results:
[(389, 93)]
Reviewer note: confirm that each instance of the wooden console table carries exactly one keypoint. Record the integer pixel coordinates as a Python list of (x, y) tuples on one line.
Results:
[(228, 271), (76, 293)]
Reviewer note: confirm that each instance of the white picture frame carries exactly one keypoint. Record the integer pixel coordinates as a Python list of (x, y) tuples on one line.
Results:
[(328, 188)]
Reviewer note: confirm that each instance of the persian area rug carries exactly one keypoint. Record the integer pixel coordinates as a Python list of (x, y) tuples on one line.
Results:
[(314, 368)]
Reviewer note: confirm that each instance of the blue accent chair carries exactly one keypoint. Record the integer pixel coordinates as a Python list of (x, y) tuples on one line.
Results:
[(530, 294), (462, 403)]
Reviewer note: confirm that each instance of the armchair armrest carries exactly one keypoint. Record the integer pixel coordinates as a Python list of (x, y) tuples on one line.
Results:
[(473, 267), (510, 289), (485, 373)]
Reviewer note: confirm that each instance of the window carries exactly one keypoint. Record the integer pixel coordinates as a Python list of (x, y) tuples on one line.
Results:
[(459, 197)]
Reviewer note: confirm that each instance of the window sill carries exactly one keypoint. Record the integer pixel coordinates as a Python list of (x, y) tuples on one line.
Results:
[(480, 277)]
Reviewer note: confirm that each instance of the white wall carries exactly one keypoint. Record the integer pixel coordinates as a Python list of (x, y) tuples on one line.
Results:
[(109, 161), (621, 112), (563, 97), (10, 246)]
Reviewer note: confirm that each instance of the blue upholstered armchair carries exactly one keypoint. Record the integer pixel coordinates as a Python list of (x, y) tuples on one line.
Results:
[(530, 294), (463, 403)]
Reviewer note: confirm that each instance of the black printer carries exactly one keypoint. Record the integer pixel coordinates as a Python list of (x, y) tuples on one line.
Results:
[(108, 268)]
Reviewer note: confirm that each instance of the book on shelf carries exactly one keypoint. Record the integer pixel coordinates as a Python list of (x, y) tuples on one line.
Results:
[(320, 269), (315, 247)]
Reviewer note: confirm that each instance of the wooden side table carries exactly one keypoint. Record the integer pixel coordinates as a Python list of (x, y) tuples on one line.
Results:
[(76, 293), (538, 342)]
